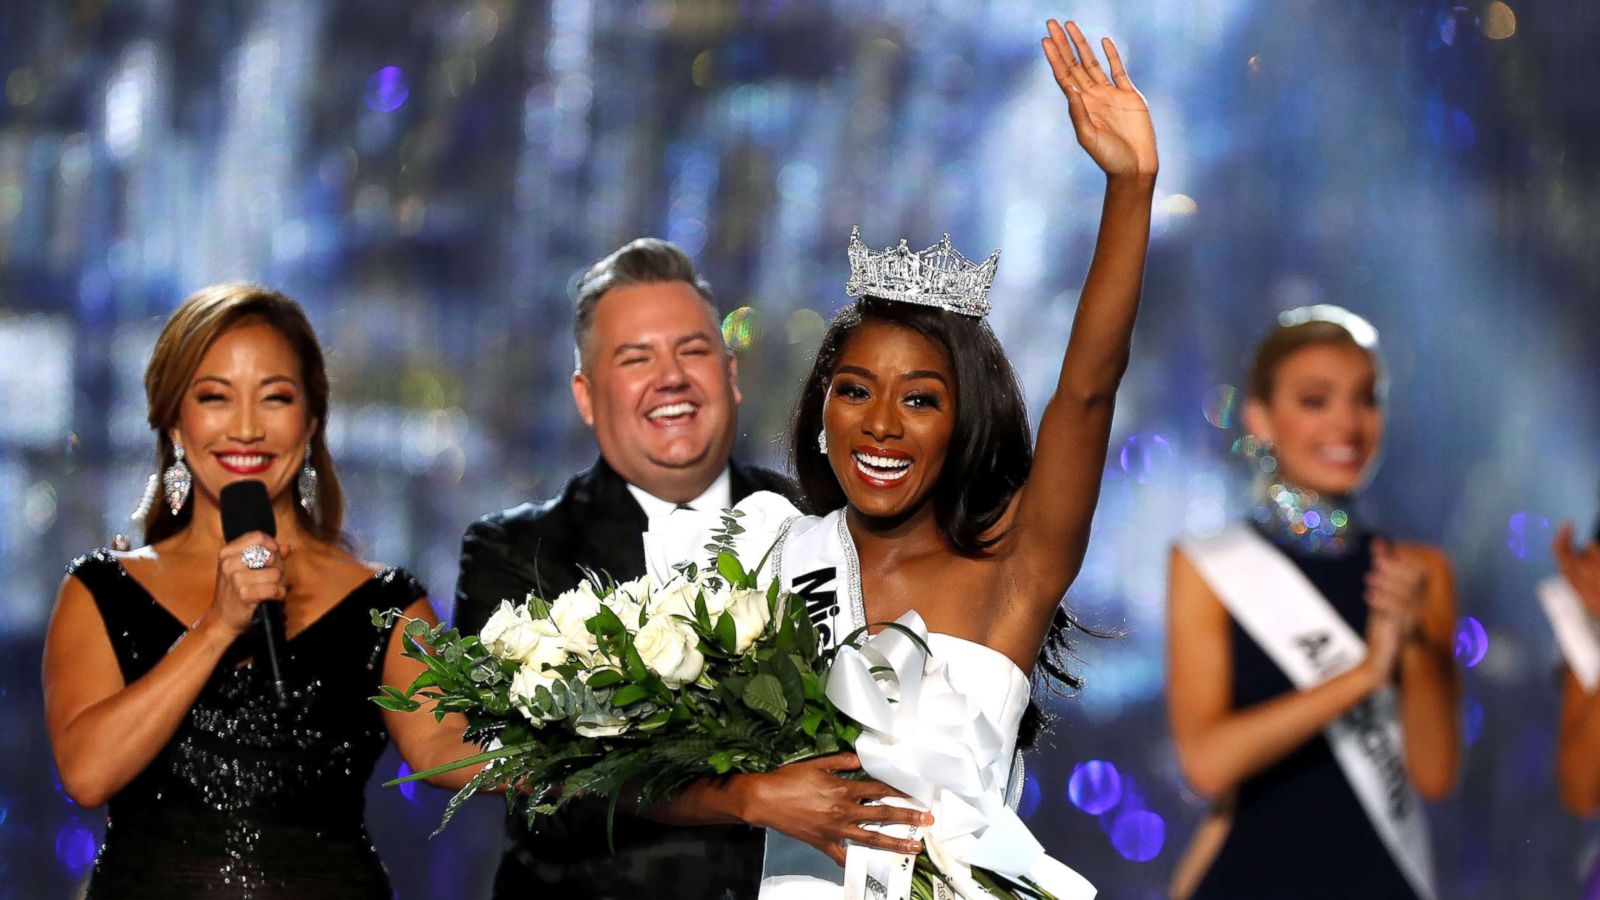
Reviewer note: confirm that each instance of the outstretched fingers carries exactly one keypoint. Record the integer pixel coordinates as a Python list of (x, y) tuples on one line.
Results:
[(1119, 74), (1091, 65)]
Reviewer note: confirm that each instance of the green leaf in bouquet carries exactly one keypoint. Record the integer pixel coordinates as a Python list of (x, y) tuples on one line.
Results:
[(605, 622), (417, 628), (811, 721), (544, 701), (815, 689), (629, 694), (764, 694), (392, 699), (721, 762), (805, 633), (727, 633), (702, 615), (634, 664), (655, 720), (538, 607), (604, 678), (729, 567), (783, 668), (426, 679), (478, 674)]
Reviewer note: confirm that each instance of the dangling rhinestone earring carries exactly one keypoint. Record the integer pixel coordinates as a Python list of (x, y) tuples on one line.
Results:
[(307, 485), (176, 480), (822, 441)]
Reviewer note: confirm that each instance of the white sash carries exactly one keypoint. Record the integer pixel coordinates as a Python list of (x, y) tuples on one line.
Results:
[(1577, 630), (939, 760), (1294, 624)]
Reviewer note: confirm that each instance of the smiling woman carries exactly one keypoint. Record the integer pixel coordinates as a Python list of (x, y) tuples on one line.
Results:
[(1311, 660), (152, 699)]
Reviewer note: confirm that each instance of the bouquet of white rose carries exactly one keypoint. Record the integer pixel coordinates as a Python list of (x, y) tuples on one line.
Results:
[(644, 684)]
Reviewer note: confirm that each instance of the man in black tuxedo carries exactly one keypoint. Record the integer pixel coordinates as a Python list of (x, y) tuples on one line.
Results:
[(658, 386)]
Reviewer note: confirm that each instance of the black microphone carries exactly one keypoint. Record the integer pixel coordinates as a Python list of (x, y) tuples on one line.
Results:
[(246, 508)]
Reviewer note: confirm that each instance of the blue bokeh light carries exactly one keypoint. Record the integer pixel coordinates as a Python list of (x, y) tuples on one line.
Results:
[(1472, 641), (75, 848), (387, 89), (1471, 720), (1032, 795), (1138, 834), (1525, 533), (408, 789), (1095, 786), (1145, 455)]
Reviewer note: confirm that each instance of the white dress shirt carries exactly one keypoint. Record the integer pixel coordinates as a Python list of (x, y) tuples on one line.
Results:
[(718, 496)]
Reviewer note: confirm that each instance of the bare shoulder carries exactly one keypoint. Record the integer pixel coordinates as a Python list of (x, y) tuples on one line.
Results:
[(1429, 556)]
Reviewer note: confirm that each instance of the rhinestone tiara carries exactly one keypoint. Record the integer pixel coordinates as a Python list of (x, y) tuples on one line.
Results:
[(938, 276)]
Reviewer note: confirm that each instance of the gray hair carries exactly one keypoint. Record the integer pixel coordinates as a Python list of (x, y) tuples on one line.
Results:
[(642, 261)]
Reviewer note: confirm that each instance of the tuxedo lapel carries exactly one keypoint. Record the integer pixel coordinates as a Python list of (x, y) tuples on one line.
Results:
[(740, 482), (609, 524)]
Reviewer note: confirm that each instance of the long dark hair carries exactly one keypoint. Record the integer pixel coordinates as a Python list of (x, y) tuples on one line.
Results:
[(990, 455)]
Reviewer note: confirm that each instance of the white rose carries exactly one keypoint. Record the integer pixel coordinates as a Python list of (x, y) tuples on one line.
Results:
[(524, 687), (671, 649), (750, 617), (512, 633), (626, 608), (571, 613), (677, 599), (637, 590)]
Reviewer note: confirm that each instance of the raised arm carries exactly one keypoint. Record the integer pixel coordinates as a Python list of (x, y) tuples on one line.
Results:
[(1430, 686), (1112, 123)]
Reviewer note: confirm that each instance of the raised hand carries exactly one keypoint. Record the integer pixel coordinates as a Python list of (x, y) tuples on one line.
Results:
[(1396, 586), (1108, 113), (1581, 568), (240, 589)]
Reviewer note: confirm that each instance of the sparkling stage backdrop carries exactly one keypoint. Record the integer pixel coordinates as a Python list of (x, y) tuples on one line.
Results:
[(428, 179)]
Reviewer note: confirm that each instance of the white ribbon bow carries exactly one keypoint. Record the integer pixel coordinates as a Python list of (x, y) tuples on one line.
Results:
[(923, 735)]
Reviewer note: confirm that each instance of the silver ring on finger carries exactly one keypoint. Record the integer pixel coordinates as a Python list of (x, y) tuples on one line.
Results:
[(255, 556)]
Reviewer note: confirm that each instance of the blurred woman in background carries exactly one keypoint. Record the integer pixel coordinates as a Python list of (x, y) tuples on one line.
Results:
[(156, 699), (1578, 747), (1312, 690)]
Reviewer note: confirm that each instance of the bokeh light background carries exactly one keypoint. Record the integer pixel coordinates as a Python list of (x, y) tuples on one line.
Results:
[(428, 179)]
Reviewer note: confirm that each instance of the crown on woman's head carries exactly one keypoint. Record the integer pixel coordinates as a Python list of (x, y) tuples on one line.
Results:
[(938, 276)]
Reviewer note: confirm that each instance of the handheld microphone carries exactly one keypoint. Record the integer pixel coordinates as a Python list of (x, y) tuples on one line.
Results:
[(246, 508)]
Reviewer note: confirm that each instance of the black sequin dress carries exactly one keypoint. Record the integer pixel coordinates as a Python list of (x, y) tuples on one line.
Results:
[(246, 801)]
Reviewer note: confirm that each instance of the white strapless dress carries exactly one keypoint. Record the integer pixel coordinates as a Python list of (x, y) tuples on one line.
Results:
[(941, 725), (971, 696)]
